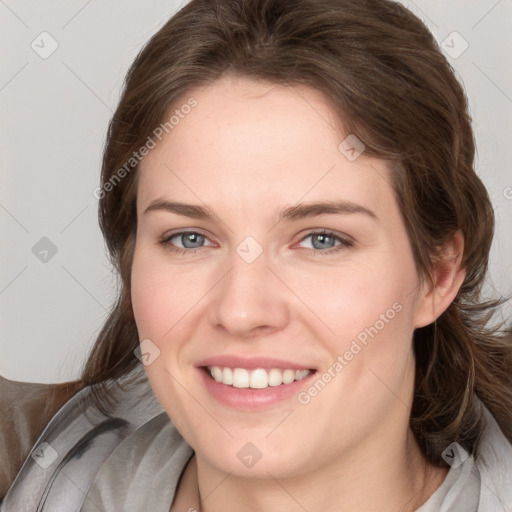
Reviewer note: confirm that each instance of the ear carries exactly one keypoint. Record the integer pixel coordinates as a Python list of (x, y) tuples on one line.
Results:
[(448, 277)]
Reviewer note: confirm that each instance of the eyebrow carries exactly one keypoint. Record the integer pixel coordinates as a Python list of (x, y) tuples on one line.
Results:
[(290, 213)]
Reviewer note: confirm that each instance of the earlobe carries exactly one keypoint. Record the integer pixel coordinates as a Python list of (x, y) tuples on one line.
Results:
[(448, 278)]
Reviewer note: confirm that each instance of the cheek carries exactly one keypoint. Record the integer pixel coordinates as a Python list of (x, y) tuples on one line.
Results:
[(369, 311), (161, 294), (358, 295), (369, 353), (160, 300)]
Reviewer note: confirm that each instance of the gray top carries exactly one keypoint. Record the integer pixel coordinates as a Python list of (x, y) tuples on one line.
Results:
[(153, 458), (131, 460), (143, 473), (459, 492)]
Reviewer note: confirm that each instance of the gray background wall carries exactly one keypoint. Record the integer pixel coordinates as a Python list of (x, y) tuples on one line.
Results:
[(55, 280)]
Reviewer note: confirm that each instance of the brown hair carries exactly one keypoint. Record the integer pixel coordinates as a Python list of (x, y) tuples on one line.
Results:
[(391, 85)]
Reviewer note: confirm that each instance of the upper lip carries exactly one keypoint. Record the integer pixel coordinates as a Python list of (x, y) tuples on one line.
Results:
[(253, 362)]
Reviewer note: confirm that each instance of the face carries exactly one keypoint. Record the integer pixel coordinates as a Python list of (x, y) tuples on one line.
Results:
[(237, 274)]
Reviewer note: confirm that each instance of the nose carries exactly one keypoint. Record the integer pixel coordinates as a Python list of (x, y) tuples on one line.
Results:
[(249, 300)]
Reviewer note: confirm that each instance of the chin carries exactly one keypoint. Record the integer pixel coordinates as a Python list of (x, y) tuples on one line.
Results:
[(255, 459)]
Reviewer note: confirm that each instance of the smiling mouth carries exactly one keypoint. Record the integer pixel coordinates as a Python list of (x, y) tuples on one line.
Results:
[(259, 378)]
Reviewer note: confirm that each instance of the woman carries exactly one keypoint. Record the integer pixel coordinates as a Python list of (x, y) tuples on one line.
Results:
[(289, 197)]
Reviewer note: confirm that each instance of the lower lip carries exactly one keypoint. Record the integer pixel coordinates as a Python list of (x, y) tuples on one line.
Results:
[(250, 399)]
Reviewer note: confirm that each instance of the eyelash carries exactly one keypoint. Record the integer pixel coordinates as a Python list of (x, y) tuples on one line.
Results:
[(344, 242)]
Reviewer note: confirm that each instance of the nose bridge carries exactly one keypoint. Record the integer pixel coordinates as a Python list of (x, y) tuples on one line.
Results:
[(249, 297)]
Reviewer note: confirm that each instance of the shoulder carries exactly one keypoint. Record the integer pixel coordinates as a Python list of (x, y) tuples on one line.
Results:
[(26, 408), (76, 442), (143, 472), (494, 462)]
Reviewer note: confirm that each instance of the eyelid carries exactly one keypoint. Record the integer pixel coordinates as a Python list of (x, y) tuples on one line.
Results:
[(327, 231), (345, 241), (182, 231)]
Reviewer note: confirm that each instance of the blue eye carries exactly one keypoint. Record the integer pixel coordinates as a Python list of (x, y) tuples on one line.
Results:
[(322, 242), (190, 241), (325, 241)]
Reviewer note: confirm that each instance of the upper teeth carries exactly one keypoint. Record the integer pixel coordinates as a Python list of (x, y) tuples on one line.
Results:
[(258, 378)]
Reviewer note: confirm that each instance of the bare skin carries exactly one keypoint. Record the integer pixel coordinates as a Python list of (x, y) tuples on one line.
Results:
[(247, 150), (187, 494)]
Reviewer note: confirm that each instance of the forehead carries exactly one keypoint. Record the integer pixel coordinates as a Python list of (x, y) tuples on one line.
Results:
[(256, 142)]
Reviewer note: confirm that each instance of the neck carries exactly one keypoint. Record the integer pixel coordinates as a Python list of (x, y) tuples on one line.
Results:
[(360, 482)]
